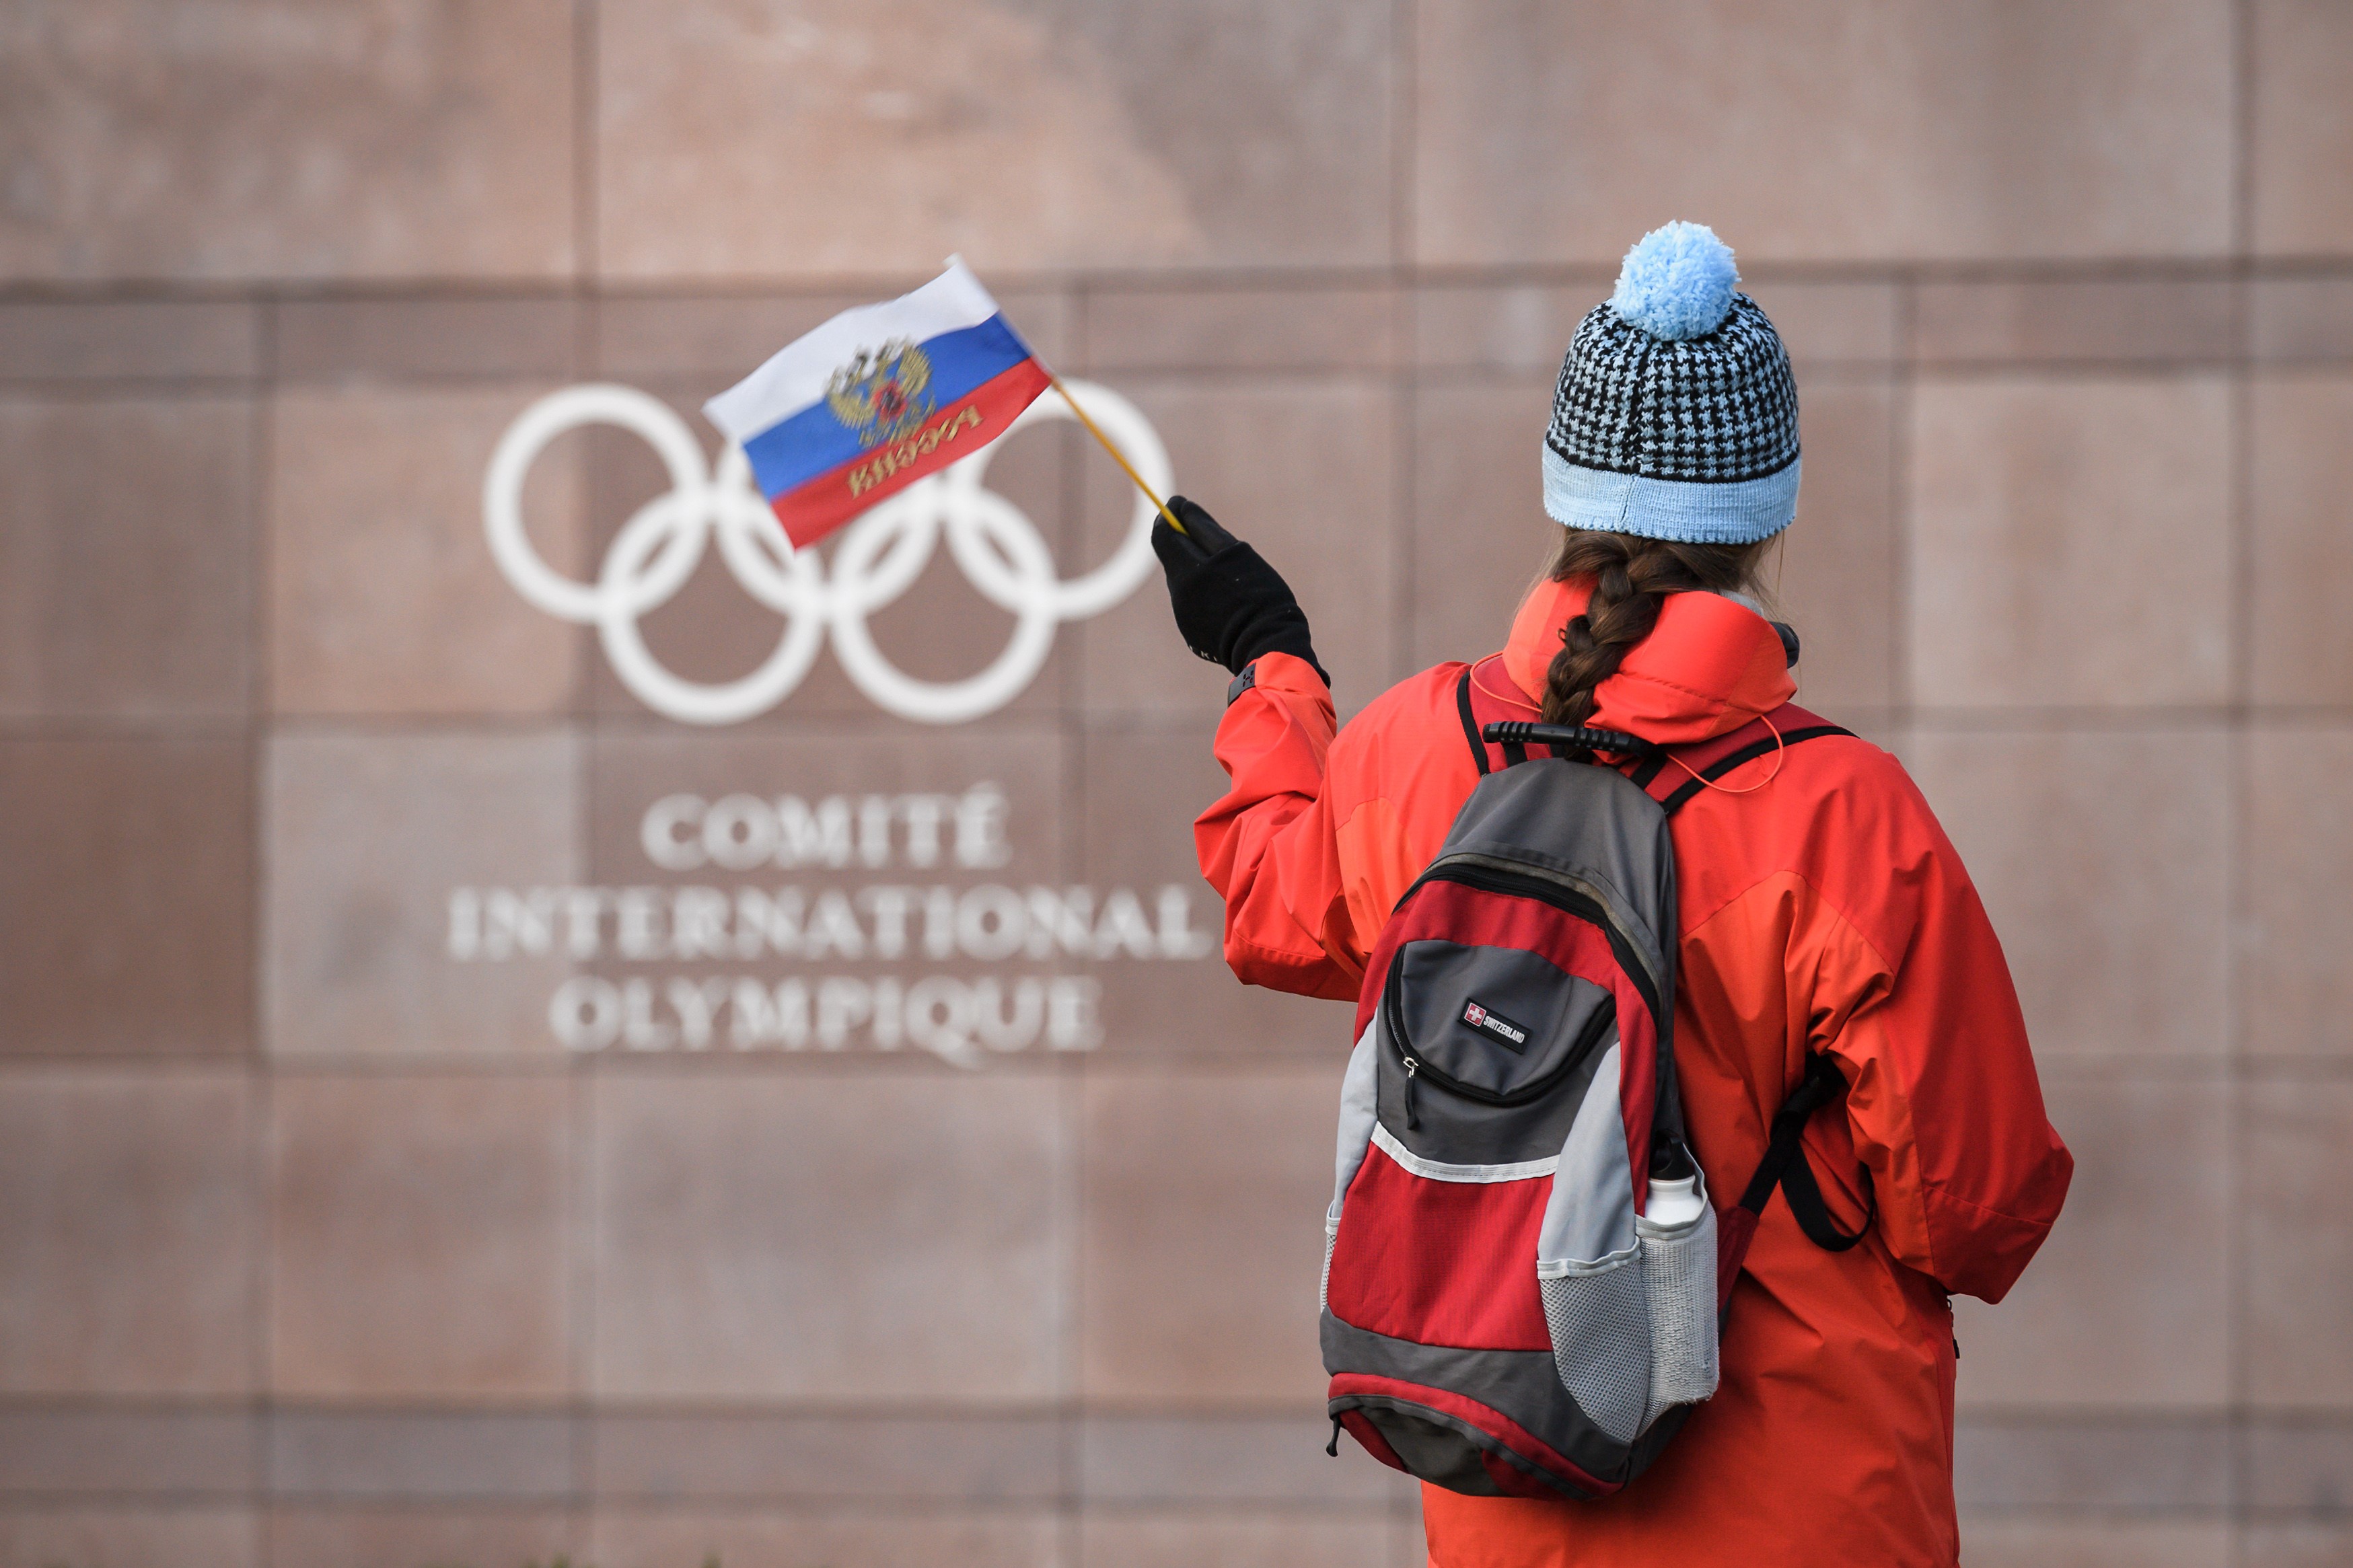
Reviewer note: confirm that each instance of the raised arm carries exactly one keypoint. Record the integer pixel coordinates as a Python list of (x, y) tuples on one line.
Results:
[(1267, 847)]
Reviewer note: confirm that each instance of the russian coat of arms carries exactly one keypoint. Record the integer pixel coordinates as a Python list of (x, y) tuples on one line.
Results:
[(880, 393)]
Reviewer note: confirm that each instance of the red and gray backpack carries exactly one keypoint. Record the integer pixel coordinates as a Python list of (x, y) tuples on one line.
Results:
[(1519, 1299)]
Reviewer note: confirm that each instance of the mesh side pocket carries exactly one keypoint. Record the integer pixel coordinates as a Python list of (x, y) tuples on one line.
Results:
[(1679, 1290), (1331, 1240), (1601, 1339)]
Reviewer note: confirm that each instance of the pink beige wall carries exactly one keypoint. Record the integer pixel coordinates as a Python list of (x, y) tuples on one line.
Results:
[(317, 1248)]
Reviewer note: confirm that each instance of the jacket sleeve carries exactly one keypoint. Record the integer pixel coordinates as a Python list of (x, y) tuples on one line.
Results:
[(1943, 1104), (1269, 846)]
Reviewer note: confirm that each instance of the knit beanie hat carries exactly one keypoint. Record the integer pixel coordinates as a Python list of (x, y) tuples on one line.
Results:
[(1676, 417)]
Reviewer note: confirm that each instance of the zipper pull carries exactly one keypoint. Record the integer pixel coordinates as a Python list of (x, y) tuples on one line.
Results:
[(1412, 1122), (1333, 1448)]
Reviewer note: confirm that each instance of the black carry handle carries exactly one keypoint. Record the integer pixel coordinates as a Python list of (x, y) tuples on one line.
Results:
[(1784, 1165), (1577, 736)]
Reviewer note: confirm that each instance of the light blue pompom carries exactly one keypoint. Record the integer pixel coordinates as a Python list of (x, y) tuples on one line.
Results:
[(1677, 282)]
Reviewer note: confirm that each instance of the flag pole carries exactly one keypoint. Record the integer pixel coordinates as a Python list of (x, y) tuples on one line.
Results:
[(1116, 455)]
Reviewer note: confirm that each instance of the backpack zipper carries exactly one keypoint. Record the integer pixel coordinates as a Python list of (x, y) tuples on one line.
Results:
[(1493, 875), (1415, 1068)]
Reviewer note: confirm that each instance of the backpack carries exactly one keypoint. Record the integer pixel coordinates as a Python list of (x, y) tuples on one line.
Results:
[(1518, 1299)]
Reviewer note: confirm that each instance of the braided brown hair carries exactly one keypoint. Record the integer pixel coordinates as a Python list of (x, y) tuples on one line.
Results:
[(1631, 578)]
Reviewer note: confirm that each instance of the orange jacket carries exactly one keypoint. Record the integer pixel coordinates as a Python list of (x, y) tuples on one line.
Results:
[(1822, 909)]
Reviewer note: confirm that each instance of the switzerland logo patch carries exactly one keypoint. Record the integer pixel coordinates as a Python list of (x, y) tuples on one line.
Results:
[(1501, 1030)]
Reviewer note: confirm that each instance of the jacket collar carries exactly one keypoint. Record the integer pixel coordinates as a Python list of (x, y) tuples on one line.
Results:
[(1708, 667)]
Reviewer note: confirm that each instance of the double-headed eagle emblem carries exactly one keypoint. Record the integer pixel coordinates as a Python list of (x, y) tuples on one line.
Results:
[(880, 393)]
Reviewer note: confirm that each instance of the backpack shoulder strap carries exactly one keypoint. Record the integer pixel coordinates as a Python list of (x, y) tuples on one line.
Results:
[(1705, 762), (1470, 722), (1785, 1166), (1479, 708)]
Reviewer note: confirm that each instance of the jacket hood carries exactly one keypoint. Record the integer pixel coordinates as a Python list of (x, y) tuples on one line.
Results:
[(1709, 666)]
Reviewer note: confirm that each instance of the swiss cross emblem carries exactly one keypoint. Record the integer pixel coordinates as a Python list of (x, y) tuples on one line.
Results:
[(1474, 1014)]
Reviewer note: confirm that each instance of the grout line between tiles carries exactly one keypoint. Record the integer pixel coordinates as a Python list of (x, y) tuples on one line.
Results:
[(2236, 781), (586, 260), (1903, 543), (262, 1130), (1406, 597), (583, 1228), (1400, 268), (1070, 1197)]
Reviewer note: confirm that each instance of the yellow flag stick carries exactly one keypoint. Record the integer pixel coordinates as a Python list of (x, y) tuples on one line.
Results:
[(1116, 455)]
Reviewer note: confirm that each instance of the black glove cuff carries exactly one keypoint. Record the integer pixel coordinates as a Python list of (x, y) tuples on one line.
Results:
[(1292, 639)]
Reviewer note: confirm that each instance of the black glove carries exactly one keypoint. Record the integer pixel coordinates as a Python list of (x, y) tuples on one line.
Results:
[(1230, 606)]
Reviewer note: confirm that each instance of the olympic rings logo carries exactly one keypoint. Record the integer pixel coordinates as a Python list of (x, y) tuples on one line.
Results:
[(880, 555)]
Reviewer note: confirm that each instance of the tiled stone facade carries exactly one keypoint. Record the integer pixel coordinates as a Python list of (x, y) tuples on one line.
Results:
[(318, 1246)]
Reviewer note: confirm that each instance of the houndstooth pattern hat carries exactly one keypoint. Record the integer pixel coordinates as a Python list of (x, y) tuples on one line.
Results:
[(1676, 415)]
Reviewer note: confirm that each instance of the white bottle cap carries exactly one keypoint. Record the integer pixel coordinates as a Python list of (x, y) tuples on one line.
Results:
[(1674, 1203)]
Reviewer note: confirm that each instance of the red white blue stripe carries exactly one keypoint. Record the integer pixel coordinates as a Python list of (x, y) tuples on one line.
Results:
[(819, 470)]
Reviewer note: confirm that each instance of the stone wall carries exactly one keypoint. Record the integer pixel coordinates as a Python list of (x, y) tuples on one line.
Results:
[(321, 1244)]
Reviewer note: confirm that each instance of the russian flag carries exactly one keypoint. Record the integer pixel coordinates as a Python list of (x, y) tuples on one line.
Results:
[(878, 397)]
